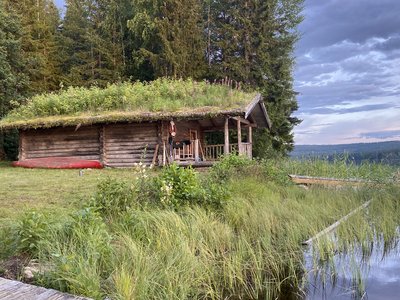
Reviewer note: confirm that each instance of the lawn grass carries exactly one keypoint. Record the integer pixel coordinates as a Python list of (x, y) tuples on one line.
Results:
[(49, 190)]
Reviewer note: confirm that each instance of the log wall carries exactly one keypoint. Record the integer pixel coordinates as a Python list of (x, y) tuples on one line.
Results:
[(126, 144), (60, 142), (116, 145)]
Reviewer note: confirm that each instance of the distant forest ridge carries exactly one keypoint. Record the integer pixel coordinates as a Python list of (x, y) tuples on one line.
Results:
[(381, 152)]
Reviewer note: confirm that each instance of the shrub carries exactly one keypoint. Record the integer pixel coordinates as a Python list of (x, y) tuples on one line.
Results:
[(32, 230), (231, 165), (112, 197), (178, 186)]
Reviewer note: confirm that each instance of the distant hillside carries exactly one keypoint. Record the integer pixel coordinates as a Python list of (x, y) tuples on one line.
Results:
[(383, 152)]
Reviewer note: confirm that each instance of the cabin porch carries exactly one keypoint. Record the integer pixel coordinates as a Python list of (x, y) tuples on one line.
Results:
[(192, 147)]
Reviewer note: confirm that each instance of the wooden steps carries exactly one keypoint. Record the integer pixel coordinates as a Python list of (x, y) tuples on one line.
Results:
[(16, 290)]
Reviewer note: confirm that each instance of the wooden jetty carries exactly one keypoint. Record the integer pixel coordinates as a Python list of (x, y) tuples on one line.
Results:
[(16, 290), (307, 180)]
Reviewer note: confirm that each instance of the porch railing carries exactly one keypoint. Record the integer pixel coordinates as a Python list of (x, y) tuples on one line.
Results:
[(213, 152), (187, 152)]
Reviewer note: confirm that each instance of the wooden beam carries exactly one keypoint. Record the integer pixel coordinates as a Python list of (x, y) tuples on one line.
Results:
[(153, 162), (336, 224), (242, 120), (102, 142), (226, 136), (239, 136), (253, 103), (22, 154), (250, 137)]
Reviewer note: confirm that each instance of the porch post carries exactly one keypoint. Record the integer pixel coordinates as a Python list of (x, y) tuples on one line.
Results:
[(226, 136), (250, 141), (239, 135)]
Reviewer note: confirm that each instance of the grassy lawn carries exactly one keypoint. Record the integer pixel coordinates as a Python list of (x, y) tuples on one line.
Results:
[(49, 190)]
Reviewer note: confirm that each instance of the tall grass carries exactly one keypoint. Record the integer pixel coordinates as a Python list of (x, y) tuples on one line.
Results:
[(341, 167), (248, 248), (161, 95)]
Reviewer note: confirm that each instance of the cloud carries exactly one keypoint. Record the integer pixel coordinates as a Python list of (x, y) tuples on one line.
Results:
[(388, 134), (347, 72)]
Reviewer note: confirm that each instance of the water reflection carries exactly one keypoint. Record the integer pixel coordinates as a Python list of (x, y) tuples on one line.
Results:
[(356, 275)]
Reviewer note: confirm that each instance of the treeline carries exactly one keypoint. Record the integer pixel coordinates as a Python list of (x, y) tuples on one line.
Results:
[(102, 41), (380, 152)]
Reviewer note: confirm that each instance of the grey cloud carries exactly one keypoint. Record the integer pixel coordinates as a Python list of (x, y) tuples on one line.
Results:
[(365, 108), (381, 134), (355, 20), (393, 43)]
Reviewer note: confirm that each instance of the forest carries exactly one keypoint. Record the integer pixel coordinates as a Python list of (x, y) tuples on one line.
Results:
[(100, 42), (381, 153)]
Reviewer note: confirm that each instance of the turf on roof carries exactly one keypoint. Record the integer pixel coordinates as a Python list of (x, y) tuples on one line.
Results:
[(160, 99)]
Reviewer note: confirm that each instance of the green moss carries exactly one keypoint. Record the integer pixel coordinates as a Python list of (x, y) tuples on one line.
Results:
[(160, 99)]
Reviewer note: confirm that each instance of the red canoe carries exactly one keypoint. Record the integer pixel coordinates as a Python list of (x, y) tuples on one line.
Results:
[(58, 163)]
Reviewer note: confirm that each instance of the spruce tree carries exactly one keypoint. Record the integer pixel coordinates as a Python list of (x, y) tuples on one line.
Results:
[(252, 41), (169, 38), (92, 40), (13, 74), (40, 20)]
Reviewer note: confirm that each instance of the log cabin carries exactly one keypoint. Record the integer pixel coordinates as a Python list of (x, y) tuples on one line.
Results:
[(191, 135)]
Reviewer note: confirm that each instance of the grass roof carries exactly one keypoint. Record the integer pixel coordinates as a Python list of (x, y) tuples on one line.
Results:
[(157, 100)]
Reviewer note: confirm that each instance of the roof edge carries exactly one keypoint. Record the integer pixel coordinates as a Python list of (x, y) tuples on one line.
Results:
[(116, 117), (258, 99)]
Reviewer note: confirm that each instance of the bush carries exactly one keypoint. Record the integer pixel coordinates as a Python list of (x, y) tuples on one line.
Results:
[(112, 197), (231, 165), (32, 230), (178, 186)]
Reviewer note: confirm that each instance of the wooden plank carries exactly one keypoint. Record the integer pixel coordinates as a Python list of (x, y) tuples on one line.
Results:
[(21, 147), (136, 145), (226, 136), (67, 149), (253, 103), (299, 179), (336, 224), (15, 290), (239, 137), (101, 142), (153, 162)]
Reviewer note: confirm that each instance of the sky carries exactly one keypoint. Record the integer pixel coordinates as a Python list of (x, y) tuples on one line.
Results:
[(347, 72)]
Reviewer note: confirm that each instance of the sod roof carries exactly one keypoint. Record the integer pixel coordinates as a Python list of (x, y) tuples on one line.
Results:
[(161, 99)]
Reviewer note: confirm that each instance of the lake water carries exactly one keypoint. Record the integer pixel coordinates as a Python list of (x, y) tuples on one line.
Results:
[(378, 274)]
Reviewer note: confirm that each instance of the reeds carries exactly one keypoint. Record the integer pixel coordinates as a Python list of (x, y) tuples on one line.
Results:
[(250, 248)]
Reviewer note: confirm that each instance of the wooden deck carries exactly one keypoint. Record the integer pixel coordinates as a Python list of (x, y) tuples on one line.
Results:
[(308, 180), (15, 290), (196, 164)]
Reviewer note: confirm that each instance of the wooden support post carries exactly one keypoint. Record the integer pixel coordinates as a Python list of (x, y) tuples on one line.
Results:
[(196, 150), (250, 141), (164, 155), (226, 136), (239, 136), (102, 141), (250, 138), (21, 149), (153, 162)]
